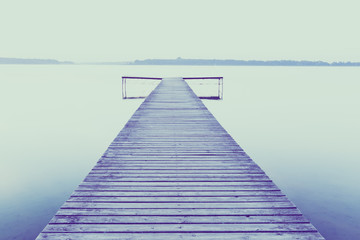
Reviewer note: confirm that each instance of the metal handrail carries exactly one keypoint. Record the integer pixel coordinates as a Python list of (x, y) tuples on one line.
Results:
[(220, 86), (124, 96), (189, 78), (152, 78)]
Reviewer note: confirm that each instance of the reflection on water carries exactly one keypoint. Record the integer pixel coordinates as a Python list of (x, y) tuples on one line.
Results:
[(299, 124)]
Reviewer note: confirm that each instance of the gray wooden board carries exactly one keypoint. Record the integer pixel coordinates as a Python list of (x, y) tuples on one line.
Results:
[(201, 199), (182, 236), (114, 177), (173, 172), (179, 184), (169, 204), (180, 212), (184, 188), (230, 219), (211, 227), (178, 175), (178, 193)]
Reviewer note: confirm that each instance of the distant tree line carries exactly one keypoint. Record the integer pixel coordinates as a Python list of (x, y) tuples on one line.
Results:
[(230, 62), (181, 61)]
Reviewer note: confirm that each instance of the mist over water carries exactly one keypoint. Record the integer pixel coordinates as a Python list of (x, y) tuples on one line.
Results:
[(300, 124)]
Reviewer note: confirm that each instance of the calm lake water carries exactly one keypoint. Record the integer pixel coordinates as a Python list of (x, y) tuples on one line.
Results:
[(300, 124)]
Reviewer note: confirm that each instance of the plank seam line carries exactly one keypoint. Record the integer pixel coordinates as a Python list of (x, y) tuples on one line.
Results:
[(255, 231), (181, 223)]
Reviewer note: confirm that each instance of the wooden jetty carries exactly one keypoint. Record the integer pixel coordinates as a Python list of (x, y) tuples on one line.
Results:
[(173, 173)]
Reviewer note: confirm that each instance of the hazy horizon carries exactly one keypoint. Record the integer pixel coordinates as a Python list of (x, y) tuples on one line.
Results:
[(171, 59), (84, 31)]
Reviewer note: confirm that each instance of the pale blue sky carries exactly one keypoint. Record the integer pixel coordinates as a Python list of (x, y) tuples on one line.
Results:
[(118, 30)]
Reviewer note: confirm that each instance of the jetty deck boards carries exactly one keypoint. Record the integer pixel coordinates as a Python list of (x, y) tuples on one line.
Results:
[(173, 173)]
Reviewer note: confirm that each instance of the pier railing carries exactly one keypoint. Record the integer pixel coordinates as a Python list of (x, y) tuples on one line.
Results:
[(124, 78), (220, 84)]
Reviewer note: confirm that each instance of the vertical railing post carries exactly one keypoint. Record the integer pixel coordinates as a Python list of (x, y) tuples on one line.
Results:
[(219, 88), (123, 87), (222, 88)]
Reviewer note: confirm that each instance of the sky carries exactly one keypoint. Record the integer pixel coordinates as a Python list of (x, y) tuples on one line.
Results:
[(125, 30)]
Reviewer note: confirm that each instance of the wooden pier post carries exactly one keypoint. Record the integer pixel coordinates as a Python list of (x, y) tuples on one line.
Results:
[(173, 172)]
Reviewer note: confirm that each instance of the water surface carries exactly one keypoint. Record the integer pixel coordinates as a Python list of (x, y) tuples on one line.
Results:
[(300, 124)]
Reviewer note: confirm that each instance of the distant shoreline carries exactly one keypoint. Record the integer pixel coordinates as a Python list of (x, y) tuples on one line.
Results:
[(187, 62), (231, 62), (31, 61)]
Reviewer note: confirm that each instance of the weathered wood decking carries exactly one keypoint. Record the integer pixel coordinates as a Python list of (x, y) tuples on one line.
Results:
[(174, 173)]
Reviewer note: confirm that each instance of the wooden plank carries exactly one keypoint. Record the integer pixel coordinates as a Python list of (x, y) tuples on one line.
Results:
[(175, 161), (198, 188), (230, 168), (179, 193), (176, 164), (140, 228), (173, 172), (138, 179), (177, 219), (182, 236), (293, 211), (177, 178), (178, 199), (178, 184), (156, 205), (206, 176), (176, 171)]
